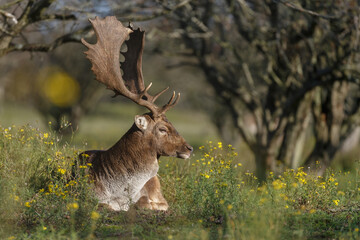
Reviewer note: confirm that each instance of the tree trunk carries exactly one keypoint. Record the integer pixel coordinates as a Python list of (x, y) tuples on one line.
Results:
[(261, 164)]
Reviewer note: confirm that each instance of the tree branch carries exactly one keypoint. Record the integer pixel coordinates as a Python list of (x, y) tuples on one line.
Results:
[(9, 16), (165, 11), (58, 17), (7, 5), (303, 10), (71, 37)]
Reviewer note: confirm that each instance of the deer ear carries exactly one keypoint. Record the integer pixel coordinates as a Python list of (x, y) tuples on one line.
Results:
[(141, 122)]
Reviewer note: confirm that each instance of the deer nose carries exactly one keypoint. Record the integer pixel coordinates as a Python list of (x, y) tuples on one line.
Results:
[(190, 148)]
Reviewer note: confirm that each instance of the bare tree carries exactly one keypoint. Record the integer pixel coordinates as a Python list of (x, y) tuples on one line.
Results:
[(290, 66)]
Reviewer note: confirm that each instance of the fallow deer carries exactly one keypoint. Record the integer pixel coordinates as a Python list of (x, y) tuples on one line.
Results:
[(127, 172)]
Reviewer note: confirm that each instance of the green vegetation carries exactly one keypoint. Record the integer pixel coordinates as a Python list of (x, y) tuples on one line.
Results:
[(210, 197)]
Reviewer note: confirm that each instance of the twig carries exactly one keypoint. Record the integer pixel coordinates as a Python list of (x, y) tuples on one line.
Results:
[(303, 10), (71, 37), (7, 5), (5, 31), (164, 12), (59, 17), (9, 15)]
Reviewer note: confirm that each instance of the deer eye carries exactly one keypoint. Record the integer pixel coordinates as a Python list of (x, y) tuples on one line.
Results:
[(163, 130)]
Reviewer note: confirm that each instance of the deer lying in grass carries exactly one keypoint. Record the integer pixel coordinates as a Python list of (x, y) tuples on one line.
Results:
[(127, 172)]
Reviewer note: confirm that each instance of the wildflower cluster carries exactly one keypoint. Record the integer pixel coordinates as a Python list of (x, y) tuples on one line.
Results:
[(45, 184), (27, 135), (296, 190), (214, 177), (215, 186)]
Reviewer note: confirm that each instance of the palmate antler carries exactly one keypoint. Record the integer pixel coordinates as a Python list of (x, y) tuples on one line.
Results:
[(104, 56)]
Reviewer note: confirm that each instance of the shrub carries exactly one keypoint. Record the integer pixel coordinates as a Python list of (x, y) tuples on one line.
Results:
[(214, 190)]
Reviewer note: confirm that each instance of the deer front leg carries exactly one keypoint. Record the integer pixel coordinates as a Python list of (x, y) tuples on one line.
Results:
[(151, 196)]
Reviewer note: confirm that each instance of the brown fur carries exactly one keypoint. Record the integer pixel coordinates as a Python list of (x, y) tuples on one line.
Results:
[(136, 152)]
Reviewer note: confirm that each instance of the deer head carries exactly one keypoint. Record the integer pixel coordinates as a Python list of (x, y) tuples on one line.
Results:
[(161, 135), (155, 129)]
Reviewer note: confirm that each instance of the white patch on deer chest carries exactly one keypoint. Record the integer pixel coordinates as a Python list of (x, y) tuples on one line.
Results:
[(121, 191)]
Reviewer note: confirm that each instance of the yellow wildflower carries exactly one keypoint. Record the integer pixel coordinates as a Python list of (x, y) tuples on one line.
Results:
[(298, 212), (278, 184), (341, 193), (302, 180), (331, 179), (262, 200), (312, 211), (73, 206), (229, 207), (95, 215), (336, 202), (27, 204)]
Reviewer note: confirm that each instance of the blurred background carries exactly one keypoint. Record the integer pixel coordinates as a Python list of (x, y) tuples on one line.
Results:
[(277, 79)]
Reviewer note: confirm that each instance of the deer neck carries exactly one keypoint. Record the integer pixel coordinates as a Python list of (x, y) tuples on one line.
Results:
[(134, 149)]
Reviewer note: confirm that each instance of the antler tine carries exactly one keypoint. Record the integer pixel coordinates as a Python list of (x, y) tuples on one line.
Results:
[(145, 93), (171, 103), (147, 88), (153, 99)]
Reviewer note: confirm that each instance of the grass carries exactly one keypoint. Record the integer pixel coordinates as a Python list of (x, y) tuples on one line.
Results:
[(44, 195)]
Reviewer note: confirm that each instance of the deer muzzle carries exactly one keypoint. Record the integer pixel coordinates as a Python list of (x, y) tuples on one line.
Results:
[(185, 154)]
